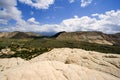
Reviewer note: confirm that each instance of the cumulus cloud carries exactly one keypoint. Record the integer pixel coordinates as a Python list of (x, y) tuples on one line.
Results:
[(9, 11), (109, 22), (2, 21), (32, 20), (77, 24), (39, 4), (85, 3), (71, 1)]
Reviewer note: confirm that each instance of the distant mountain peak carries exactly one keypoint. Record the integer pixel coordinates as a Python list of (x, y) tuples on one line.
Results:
[(18, 34), (87, 36)]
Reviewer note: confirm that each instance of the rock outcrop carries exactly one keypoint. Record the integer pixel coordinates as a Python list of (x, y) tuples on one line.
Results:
[(92, 37), (108, 63), (115, 37), (18, 35), (63, 64), (6, 51), (53, 70)]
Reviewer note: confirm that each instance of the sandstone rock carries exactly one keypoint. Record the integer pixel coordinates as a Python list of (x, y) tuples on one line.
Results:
[(63, 64), (108, 63), (53, 70), (10, 62), (7, 51)]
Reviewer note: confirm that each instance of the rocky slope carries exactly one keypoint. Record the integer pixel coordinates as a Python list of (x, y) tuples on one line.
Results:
[(92, 37), (18, 35), (115, 37), (86, 36), (63, 64)]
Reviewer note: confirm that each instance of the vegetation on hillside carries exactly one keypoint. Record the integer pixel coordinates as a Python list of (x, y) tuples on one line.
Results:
[(29, 48)]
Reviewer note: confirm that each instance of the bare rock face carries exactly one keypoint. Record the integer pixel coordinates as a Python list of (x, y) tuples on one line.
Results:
[(92, 37), (63, 64), (115, 37), (53, 70), (108, 63), (10, 62), (6, 51)]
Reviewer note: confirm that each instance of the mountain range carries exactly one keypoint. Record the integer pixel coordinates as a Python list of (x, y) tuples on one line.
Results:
[(85, 36), (18, 34)]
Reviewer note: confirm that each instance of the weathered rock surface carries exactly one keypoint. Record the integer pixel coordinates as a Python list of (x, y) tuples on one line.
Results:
[(8, 63), (63, 64), (52, 70), (6, 51), (92, 37), (108, 63)]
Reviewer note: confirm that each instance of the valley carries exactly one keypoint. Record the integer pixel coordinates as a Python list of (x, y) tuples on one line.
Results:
[(30, 47)]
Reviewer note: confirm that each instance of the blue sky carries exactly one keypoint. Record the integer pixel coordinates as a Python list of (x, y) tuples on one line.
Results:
[(63, 9), (48, 16)]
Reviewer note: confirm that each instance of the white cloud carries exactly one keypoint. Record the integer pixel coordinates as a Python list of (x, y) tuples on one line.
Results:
[(107, 23), (32, 20), (10, 11), (71, 1), (95, 14), (75, 16), (40, 4), (78, 24), (85, 3), (2, 21)]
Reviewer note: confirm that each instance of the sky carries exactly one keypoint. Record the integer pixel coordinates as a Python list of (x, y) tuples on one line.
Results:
[(52, 16)]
